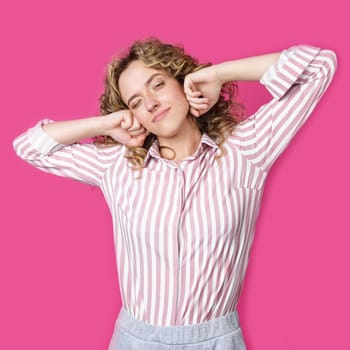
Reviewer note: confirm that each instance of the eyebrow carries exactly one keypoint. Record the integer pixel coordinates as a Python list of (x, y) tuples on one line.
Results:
[(148, 81)]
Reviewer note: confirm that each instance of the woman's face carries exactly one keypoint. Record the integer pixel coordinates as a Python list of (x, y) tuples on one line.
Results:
[(156, 100)]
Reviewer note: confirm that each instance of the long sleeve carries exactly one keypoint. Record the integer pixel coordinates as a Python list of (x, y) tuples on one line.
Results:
[(296, 82), (85, 163)]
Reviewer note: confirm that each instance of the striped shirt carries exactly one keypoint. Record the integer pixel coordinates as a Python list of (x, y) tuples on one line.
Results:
[(183, 231)]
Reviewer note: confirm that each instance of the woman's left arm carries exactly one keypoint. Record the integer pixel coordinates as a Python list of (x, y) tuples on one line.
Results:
[(297, 79), (203, 87)]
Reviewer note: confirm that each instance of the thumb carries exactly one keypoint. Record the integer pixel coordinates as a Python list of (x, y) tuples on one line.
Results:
[(136, 141), (127, 121), (190, 87)]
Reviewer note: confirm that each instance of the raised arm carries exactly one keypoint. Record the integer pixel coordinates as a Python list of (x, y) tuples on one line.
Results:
[(53, 146), (203, 87), (296, 78), (120, 125)]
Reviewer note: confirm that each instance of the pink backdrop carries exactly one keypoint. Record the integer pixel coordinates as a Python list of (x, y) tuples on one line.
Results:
[(59, 286)]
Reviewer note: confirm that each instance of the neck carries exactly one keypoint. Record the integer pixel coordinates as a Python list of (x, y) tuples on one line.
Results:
[(184, 144)]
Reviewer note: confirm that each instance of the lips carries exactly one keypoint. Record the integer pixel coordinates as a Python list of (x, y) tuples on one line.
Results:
[(160, 115)]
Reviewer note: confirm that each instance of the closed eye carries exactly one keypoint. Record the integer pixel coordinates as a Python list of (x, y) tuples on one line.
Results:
[(157, 85), (134, 105)]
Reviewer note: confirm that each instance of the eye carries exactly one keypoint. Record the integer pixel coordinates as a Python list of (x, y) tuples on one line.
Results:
[(135, 104), (158, 85)]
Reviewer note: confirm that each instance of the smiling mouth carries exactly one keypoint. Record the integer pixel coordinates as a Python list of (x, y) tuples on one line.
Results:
[(160, 115)]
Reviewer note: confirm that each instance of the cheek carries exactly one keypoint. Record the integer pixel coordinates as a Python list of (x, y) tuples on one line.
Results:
[(139, 116), (180, 98), (142, 122), (184, 104)]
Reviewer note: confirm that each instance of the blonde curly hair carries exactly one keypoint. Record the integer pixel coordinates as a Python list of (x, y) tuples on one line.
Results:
[(218, 122)]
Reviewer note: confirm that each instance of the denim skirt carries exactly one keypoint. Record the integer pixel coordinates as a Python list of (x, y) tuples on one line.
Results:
[(222, 333)]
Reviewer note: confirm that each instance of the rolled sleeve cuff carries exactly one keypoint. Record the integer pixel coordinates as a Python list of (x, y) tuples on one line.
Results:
[(284, 73), (41, 141)]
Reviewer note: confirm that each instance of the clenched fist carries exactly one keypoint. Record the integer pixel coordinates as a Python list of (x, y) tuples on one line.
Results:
[(124, 128)]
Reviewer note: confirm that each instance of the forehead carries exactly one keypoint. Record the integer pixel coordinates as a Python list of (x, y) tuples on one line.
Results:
[(134, 77)]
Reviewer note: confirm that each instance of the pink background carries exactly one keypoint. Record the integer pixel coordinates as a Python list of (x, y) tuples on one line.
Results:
[(59, 286)]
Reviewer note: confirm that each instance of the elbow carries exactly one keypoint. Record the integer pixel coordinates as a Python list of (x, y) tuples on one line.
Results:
[(23, 148), (330, 61), (16, 144)]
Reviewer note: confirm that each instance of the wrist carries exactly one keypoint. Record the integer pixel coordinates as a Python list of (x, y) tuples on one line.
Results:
[(225, 72), (100, 125), (218, 69)]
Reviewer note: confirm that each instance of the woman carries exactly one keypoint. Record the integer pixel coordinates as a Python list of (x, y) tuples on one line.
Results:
[(183, 178)]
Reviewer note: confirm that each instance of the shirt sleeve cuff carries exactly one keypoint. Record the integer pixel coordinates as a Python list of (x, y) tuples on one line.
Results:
[(41, 141), (284, 73)]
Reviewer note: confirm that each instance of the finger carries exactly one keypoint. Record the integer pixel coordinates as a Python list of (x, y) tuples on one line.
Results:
[(197, 112), (122, 136), (191, 93), (137, 132), (130, 141), (135, 125), (197, 100), (127, 121), (137, 141), (199, 105), (194, 112), (190, 86)]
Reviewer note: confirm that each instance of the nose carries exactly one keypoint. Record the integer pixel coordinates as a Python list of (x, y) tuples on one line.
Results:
[(151, 103)]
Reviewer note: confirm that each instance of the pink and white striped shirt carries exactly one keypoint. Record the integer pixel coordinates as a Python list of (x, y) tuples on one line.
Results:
[(183, 231)]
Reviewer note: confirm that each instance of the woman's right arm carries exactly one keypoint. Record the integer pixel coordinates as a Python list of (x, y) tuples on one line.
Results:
[(53, 146), (120, 125)]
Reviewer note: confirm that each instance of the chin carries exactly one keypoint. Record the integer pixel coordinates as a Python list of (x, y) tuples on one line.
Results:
[(167, 131), (167, 135)]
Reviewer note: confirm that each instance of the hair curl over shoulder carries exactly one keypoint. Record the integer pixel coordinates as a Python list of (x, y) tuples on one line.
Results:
[(218, 122)]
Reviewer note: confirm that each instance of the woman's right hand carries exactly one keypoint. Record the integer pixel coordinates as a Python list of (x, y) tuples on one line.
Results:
[(124, 128)]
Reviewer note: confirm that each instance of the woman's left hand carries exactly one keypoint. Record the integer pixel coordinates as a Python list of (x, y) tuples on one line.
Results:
[(202, 89)]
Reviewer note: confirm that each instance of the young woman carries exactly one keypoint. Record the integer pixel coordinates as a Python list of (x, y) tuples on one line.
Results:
[(183, 177)]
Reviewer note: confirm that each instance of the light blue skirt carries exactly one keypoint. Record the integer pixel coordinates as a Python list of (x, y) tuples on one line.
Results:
[(222, 333)]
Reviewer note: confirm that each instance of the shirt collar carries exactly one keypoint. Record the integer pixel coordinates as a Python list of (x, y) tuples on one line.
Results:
[(205, 142)]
